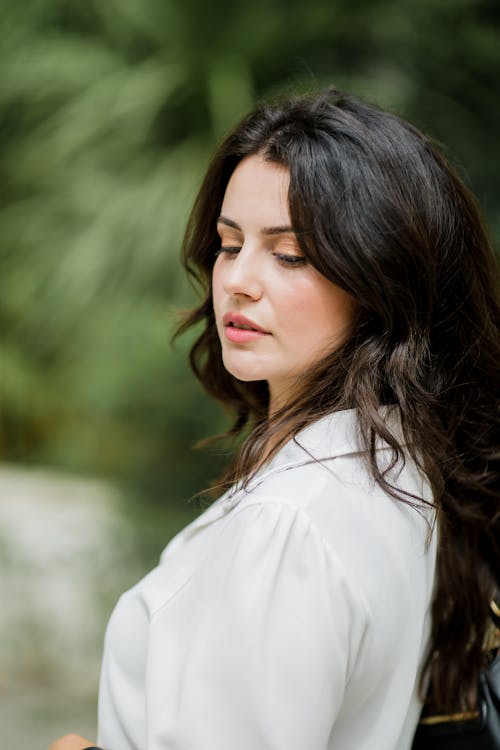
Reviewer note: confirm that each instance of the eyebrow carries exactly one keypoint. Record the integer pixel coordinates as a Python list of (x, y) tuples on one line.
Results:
[(265, 230)]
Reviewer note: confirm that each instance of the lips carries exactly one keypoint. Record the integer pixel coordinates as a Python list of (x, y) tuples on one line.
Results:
[(235, 320), (242, 331)]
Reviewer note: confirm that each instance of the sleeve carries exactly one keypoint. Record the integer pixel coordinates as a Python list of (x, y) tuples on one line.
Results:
[(255, 651)]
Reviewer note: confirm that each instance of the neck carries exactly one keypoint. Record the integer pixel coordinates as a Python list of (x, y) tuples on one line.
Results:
[(279, 397)]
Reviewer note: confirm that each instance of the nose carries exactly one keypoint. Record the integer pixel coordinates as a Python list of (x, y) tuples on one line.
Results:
[(242, 274)]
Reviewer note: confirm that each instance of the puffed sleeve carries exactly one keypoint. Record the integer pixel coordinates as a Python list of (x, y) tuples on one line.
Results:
[(255, 651)]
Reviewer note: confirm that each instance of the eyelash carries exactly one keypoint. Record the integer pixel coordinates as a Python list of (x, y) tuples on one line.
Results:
[(287, 260)]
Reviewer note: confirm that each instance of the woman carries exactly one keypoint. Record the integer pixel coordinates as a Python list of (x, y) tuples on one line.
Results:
[(351, 321)]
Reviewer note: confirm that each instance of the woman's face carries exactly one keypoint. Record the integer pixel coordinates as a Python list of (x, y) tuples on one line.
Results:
[(276, 315)]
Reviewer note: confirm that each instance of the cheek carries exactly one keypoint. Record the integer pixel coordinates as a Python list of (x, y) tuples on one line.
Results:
[(292, 298), (216, 284), (299, 303), (317, 309)]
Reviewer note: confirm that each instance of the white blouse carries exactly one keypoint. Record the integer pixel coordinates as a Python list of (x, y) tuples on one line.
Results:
[(291, 615)]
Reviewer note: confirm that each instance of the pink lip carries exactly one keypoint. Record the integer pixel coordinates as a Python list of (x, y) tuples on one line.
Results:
[(236, 319), (241, 335)]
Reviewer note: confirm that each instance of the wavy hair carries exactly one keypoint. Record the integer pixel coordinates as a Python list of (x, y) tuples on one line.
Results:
[(379, 211)]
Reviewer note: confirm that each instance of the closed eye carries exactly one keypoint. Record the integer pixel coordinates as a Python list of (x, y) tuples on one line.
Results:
[(286, 259), (227, 249), (290, 260)]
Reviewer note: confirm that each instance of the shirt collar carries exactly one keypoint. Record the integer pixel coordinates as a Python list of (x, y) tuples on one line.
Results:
[(336, 434)]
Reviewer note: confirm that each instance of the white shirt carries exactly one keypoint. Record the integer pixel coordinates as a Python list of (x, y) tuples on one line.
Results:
[(293, 615)]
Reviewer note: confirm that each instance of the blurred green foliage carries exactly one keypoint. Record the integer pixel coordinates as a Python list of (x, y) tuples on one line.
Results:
[(108, 112)]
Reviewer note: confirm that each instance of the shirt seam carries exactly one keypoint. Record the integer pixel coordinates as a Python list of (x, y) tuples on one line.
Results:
[(238, 510)]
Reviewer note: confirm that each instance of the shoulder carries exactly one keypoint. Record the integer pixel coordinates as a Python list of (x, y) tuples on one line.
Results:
[(325, 473), (366, 528), (384, 547), (314, 516)]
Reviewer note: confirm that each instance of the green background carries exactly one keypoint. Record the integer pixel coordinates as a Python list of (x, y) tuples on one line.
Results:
[(109, 111)]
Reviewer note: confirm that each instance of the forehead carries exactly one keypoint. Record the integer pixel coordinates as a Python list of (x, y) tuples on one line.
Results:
[(257, 192)]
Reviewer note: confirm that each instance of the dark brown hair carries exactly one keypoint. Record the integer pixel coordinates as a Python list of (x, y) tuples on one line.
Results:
[(379, 211)]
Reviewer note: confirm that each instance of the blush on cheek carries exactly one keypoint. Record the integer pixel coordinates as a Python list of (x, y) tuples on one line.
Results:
[(293, 304)]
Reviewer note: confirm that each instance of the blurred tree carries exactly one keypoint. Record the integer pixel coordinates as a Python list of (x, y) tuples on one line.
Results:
[(108, 113)]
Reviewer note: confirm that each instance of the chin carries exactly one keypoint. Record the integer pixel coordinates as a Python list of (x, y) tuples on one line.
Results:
[(244, 376), (240, 372)]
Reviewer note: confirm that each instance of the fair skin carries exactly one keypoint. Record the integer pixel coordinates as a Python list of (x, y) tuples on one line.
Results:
[(71, 742), (297, 314)]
